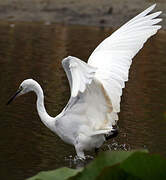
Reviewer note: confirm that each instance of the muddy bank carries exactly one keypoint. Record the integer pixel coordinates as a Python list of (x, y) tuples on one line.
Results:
[(111, 13)]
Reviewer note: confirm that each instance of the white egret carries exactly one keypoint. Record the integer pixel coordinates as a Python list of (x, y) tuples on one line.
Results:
[(96, 86)]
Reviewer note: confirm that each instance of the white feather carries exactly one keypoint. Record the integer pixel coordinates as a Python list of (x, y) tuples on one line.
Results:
[(113, 56), (81, 74)]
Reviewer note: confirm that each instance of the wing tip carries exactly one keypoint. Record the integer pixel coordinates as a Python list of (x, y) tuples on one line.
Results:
[(64, 61), (149, 9), (159, 27), (160, 19), (159, 12), (153, 5)]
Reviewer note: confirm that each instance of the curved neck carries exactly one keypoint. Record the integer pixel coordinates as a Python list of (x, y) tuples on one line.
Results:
[(45, 118)]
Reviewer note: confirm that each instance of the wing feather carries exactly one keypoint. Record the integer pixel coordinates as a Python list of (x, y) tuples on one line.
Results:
[(79, 74), (113, 56)]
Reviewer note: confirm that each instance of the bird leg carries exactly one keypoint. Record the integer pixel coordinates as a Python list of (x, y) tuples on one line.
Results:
[(80, 153)]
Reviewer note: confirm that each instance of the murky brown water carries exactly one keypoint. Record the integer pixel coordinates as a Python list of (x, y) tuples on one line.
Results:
[(35, 51)]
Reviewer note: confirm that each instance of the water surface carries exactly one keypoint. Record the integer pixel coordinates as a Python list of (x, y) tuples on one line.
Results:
[(35, 51)]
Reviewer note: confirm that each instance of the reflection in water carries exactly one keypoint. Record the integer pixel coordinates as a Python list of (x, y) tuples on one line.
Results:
[(35, 51)]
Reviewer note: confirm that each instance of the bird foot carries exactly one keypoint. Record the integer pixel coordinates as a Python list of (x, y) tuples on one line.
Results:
[(89, 157), (78, 158)]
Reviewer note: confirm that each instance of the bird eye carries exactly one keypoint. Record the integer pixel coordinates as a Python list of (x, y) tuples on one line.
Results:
[(20, 88)]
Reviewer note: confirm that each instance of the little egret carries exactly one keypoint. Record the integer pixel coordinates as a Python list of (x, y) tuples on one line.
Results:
[(96, 86)]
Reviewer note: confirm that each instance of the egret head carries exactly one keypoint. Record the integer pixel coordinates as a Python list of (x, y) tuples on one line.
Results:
[(25, 87)]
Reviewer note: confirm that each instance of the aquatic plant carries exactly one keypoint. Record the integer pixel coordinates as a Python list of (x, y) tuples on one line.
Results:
[(116, 165)]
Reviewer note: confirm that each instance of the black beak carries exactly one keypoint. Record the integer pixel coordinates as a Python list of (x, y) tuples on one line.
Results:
[(11, 99)]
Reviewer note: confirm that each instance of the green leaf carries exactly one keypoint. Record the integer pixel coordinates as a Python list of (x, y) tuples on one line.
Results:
[(115, 173), (145, 166), (103, 160), (59, 174)]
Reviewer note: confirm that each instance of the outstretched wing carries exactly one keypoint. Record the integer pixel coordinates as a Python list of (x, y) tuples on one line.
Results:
[(113, 56), (89, 102), (79, 74)]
